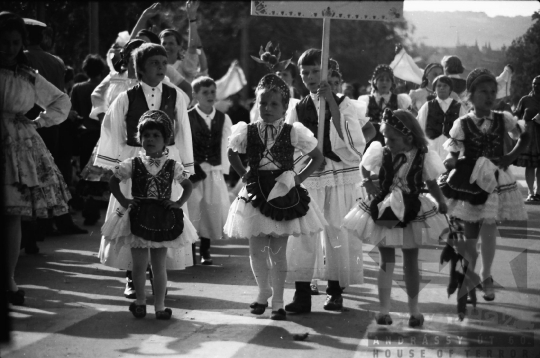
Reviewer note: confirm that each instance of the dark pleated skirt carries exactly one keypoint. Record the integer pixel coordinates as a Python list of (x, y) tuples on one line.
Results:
[(151, 221)]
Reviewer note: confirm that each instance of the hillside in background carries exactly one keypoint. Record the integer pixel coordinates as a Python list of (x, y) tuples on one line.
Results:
[(442, 29)]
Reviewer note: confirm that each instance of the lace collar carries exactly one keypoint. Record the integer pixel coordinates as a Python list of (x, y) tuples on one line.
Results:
[(270, 130)]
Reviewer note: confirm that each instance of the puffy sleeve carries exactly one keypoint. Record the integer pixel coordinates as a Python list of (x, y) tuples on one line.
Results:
[(350, 148), (55, 102), (512, 126), (422, 116), (124, 169), (238, 137), (404, 101), (98, 98), (182, 133), (291, 116), (113, 133), (189, 65), (302, 138), (180, 173), (364, 99), (373, 156), (361, 110), (227, 130), (433, 166), (455, 142)]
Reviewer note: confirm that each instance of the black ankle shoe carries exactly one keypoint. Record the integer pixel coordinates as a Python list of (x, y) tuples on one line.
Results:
[(206, 259), (299, 305), (16, 298), (333, 303)]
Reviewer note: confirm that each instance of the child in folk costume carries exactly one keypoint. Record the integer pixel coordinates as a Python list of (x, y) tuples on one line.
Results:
[(152, 222), (118, 139), (426, 92), (382, 83), (479, 186), (272, 205), (399, 216), (437, 116), (334, 188), (210, 129)]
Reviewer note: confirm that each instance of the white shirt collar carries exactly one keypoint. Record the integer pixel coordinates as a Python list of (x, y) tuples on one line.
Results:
[(205, 115), (147, 89), (445, 101), (385, 96)]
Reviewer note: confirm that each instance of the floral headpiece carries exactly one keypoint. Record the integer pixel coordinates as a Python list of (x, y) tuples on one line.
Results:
[(159, 117), (395, 122), (271, 81), (479, 74), (379, 71), (270, 57)]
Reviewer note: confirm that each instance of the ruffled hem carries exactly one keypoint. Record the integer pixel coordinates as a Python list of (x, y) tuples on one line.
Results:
[(246, 221), (117, 231), (423, 230)]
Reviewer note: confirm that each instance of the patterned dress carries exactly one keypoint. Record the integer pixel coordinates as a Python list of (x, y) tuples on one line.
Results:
[(33, 185)]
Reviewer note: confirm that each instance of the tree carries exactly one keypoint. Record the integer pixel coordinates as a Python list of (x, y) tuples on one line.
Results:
[(524, 55)]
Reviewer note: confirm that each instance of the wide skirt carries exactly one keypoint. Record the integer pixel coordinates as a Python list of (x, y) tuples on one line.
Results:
[(33, 184), (423, 230), (250, 215)]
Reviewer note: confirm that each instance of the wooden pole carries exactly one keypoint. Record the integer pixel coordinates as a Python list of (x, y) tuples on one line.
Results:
[(324, 77)]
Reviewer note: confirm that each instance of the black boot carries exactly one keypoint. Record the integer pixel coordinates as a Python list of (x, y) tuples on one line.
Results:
[(194, 253), (206, 259), (334, 300), (302, 298), (129, 292)]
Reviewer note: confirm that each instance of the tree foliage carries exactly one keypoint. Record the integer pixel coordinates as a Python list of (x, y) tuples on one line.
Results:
[(524, 55), (358, 46)]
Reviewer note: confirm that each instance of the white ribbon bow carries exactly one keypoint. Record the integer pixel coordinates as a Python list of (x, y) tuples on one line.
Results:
[(395, 202), (284, 183), (484, 174)]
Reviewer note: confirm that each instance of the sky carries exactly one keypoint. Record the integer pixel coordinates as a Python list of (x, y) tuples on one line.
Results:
[(491, 8)]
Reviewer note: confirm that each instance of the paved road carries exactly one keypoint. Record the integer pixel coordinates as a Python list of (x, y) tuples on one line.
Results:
[(75, 308)]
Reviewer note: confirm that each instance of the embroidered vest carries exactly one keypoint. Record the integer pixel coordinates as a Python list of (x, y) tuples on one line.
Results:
[(146, 185), (374, 112), (206, 141), (138, 105), (478, 144), (414, 183), (438, 122), (307, 115), (282, 151)]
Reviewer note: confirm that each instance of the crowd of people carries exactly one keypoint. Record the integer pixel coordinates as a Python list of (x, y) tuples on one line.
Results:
[(389, 169)]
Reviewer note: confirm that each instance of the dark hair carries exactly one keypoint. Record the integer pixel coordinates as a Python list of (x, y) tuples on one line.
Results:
[(428, 69), (292, 69), (311, 57), (203, 81), (80, 77), (452, 65), (149, 124), (443, 79), (35, 34), (68, 74), (172, 32), (409, 120), (13, 22), (510, 67), (93, 65), (151, 36), (142, 53)]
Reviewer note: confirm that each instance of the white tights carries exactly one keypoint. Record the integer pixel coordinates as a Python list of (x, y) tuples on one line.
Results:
[(269, 264), (140, 264)]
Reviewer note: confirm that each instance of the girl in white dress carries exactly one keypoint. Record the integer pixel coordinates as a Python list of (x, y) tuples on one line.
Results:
[(272, 205), (32, 183), (479, 186), (399, 215), (154, 220)]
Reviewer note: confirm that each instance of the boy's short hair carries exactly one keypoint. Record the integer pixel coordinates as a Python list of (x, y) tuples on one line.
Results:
[(311, 57), (292, 69), (150, 35), (203, 81), (172, 32), (142, 53), (93, 65)]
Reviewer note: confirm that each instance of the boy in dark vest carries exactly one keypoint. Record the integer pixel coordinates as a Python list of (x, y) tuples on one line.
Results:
[(118, 140), (332, 255), (209, 202), (437, 116)]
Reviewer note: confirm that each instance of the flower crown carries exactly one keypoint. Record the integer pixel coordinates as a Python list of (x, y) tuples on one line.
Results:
[(270, 57), (390, 119), (272, 81), (379, 70)]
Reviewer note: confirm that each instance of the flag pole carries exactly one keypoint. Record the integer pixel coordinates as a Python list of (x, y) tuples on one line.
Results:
[(324, 77)]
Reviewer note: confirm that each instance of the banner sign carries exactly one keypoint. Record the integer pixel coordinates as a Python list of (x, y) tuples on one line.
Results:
[(340, 10)]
